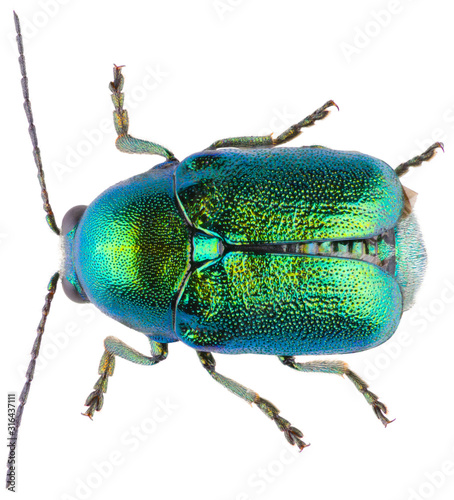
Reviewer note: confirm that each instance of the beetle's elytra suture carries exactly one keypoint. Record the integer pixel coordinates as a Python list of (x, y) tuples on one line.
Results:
[(242, 248)]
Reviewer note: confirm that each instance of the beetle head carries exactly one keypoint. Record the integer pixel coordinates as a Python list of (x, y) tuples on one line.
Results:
[(70, 282)]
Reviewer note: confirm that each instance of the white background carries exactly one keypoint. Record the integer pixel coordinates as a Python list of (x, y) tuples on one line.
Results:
[(225, 68)]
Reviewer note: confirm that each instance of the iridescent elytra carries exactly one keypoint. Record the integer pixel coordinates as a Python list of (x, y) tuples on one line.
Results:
[(244, 247)]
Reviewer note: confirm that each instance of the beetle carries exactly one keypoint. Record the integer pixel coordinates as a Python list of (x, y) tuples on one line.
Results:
[(244, 247)]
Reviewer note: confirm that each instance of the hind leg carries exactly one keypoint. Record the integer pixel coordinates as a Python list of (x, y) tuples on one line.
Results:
[(341, 368), (403, 168)]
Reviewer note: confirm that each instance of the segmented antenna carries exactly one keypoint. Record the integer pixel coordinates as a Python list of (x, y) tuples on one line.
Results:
[(32, 131), (52, 287)]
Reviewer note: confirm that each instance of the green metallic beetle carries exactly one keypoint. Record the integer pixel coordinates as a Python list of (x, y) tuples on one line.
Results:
[(244, 248)]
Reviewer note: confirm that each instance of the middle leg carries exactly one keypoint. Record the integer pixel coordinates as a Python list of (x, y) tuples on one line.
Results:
[(292, 434), (267, 140)]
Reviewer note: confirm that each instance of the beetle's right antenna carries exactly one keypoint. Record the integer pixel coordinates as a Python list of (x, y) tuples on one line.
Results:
[(52, 287), (32, 130)]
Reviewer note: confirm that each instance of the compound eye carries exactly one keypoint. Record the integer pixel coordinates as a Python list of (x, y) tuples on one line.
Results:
[(72, 218), (72, 293)]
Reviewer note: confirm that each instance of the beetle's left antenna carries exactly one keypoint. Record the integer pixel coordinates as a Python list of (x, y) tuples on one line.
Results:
[(51, 288), (32, 130)]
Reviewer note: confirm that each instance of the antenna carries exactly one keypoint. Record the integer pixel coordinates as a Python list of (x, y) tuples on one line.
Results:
[(32, 131), (52, 286)]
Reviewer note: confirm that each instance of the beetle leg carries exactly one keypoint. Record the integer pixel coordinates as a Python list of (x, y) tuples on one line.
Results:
[(267, 140), (292, 434), (341, 368), (125, 142), (115, 347), (403, 168)]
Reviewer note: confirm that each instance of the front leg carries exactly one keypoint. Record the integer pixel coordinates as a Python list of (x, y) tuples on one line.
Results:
[(115, 347), (127, 143)]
